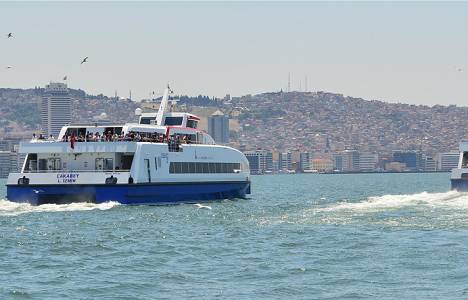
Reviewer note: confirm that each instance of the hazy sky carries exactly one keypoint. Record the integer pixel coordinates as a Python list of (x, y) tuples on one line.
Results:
[(398, 52)]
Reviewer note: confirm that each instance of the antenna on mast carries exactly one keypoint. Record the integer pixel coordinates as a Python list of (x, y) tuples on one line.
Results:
[(289, 82)]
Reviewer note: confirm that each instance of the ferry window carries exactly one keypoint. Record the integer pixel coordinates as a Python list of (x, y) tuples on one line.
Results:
[(42, 164), (192, 124), (202, 167), (465, 159), (191, 167), (147, 120), (113, 130), (54, 164), (99, 164), (212, 167), (169, 121), (108, 164), (185, 168), (31, 162), (125, 161)]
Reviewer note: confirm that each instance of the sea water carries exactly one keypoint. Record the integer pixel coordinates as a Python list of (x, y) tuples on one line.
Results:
[(375, 236)]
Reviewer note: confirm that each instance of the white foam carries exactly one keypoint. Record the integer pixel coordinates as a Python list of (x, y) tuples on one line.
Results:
[(11, 208), (450, 199)]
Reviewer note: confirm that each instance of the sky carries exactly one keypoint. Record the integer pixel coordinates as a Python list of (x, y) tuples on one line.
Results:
[(410, 52)]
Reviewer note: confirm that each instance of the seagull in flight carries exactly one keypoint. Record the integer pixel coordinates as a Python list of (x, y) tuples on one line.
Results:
[(9, 67), (202, 206), (84, 60), (10, 35)]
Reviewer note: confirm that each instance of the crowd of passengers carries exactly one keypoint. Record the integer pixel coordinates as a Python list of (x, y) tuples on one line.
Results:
[(130, 136)]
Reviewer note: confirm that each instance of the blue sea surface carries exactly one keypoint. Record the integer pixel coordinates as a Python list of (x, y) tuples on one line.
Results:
[(366, 236)]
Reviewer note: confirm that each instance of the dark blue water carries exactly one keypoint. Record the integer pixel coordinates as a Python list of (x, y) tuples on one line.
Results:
[(298, 237)]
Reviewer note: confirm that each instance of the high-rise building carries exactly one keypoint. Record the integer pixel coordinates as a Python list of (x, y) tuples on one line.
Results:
[(304, 161), (5, 163), (338, 162), (350, 160), (448, 160), (218, 127), (430, 165), (260, 161), (412, 159), (368, 162), (254, 159), (285, 161), (56, 108)]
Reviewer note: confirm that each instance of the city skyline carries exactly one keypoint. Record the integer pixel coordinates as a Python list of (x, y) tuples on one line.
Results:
[(393, 52)]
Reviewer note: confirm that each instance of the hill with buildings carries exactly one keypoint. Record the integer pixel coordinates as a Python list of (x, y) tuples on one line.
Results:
[(296, 131), (322, 121), (20, 110), (303, 121)]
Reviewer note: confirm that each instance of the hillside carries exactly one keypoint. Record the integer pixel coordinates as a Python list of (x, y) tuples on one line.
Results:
[(282, 121), (306, 121)]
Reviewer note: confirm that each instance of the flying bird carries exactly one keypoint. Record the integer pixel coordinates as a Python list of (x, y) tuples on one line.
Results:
[(10, 35), (9, 67), (84, 60), (202, 206), (65, 78)]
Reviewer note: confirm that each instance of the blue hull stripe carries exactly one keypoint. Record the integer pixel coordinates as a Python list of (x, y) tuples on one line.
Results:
[(460, 185), (128, 193)]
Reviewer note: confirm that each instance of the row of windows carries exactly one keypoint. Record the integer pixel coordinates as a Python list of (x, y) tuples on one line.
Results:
[(203, 167)]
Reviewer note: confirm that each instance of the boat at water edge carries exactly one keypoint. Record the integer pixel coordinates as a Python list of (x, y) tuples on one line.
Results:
[(162, 159)]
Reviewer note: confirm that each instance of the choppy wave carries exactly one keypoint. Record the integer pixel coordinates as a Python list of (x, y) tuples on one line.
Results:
[(8, 208), (450, 199)]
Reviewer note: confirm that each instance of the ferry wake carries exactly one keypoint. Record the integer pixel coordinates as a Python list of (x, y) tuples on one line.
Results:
[(162, 159)]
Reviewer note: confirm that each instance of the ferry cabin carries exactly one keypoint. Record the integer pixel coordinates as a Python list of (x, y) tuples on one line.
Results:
[(459, 176)]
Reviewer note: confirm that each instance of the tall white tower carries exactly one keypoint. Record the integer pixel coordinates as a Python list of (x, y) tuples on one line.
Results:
[(56, 108)]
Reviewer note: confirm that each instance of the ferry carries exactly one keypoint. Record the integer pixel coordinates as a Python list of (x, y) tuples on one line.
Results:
[(459, 176), (162, 159)]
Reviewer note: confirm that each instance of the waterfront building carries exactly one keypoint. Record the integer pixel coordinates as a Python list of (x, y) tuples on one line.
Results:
[(285, 161), (412, 159), (338, 162), (430, 165), (368, 162), (218, 127), (5, 163), (350, 160), (56, 108), (322, 164), (304, 161), (255, 164), (448, 161), (395, 167)]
